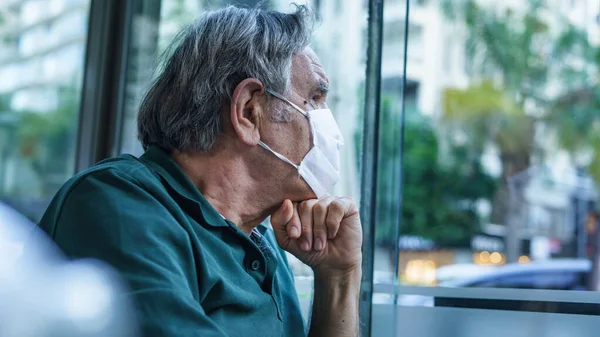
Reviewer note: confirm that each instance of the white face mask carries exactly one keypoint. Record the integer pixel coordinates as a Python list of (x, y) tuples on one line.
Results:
[(320, 168)]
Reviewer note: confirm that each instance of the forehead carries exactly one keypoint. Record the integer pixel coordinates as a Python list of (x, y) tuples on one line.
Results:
[(307, 70)]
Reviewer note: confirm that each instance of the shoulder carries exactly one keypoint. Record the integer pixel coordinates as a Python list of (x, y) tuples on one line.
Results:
[(114, 189), (124, 168), (116, 179), (116, 205)]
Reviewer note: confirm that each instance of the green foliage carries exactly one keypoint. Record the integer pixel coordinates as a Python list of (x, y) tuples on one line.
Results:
[(486, 113), (438, 199), (575, 114), (47, 138), (507, 42), (577, 118), (529, 56), (5, 100)]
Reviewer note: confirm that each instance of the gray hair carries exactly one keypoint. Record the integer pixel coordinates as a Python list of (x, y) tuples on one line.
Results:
[(209, 58)]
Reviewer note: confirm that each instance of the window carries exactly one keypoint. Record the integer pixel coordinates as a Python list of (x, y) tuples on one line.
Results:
[(500, 163), (493, 165), (488, 160), (41, 66)]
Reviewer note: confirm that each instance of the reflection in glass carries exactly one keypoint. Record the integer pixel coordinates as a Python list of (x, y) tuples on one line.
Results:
[(501, 158), (41, 66)]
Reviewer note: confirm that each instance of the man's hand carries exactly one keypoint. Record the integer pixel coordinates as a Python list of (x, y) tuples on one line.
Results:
[(325, 234)]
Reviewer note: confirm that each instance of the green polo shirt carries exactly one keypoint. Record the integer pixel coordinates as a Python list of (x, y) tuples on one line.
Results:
[(190, 271)]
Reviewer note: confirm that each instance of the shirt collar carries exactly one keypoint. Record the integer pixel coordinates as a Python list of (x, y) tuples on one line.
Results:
[(159, 161)]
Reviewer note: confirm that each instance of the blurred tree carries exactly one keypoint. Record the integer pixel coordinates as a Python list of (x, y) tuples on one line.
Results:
[(5, 99), (439, 200), (516, 56), (47, 139), (575, 114), (486, 115)]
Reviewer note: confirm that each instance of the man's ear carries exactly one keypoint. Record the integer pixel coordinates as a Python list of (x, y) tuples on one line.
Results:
[(247, 109)]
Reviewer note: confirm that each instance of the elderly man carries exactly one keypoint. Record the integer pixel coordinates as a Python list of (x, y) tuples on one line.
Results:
[(236, 129)]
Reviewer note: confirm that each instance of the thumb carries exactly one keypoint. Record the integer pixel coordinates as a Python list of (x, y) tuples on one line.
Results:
[(283, 215)]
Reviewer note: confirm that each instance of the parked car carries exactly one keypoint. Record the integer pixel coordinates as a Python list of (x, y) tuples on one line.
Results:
[(560, 274), (557, 274)]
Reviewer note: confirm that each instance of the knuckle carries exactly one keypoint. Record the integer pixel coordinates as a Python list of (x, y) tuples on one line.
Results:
[(306, 205), (339, 203), (351, 203), (320, 208)]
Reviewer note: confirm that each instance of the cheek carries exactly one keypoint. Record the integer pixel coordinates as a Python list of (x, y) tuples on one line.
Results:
[(302, 139), (293, 139)]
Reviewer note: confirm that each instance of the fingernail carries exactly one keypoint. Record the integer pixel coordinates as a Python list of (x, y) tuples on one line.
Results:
[(294, 232), (318, 244), (304, 245)]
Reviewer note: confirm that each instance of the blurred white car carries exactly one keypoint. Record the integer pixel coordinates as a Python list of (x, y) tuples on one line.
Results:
[(558, 274)]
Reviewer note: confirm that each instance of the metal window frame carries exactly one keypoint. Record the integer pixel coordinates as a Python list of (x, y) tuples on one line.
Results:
[(370, 155), (103, 81), (370, 158)]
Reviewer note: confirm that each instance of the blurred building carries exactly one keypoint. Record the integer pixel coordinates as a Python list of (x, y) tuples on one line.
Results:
[(41, 50), (42, 45), (438, 58)]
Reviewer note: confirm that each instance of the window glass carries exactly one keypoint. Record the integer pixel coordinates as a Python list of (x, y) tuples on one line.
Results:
[(42, 45), (501, 160), (338, 41)]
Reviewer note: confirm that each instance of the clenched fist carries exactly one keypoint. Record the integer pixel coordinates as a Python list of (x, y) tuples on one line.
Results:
[(326, 234)]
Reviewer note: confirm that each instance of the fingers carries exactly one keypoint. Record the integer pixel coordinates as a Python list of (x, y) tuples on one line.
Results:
[(319, 211), (338, 210), (282, 215), (280, 219), (306, 219), (294, 227), (311, 223)]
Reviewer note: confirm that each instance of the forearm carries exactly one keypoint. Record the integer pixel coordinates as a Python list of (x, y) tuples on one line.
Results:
[(335, 305)]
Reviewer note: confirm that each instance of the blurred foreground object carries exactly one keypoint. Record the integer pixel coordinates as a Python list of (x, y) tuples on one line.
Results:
[(42, 294)]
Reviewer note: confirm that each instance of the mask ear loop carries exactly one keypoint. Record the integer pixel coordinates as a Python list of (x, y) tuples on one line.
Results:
[(306, 114), (279, 155), (281, 97)]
